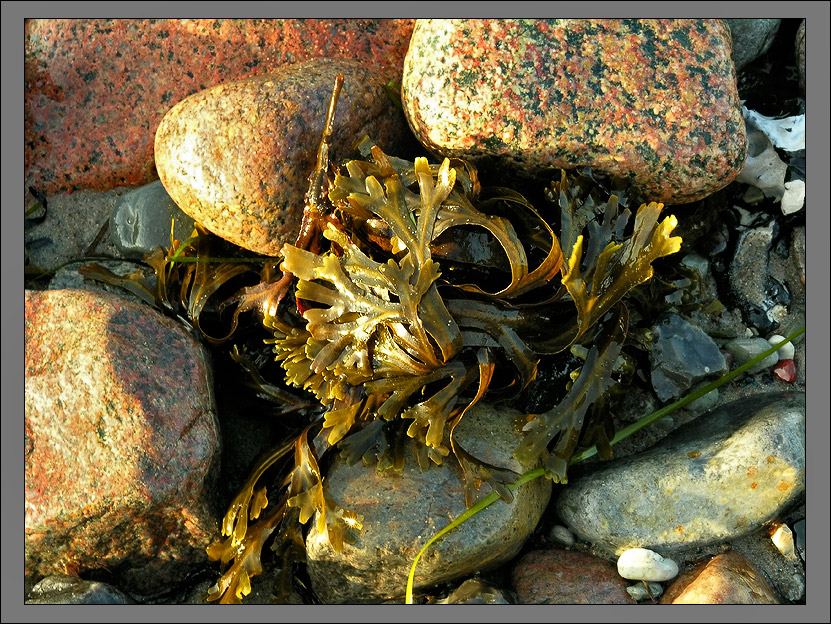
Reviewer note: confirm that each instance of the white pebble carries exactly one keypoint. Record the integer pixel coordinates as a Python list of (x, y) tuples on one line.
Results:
[(786, 352), (640, 564)]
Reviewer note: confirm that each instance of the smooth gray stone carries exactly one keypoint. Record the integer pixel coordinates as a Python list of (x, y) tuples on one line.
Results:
[(717, 478), (403, 509), (682, 355), (141, 220), (751, 38), (63, 589)]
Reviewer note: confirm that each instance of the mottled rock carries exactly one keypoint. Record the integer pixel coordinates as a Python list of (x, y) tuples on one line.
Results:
[(237, 157), (141, 221), (651, 100), (752, 37), (121, 441), (682, 355), (567, 577), (96, 89), (63, 589), (728, 578), (719, 477), (403, 509)]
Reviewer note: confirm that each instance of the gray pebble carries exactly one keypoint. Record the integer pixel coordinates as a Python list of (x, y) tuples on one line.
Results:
[(141, 221), (751, 38), (745, 349), (717, 478), (682, 355)]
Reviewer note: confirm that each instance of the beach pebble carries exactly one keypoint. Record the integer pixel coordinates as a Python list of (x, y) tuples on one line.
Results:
[(642, 564), (403, 509), (785, 352), (639, 592), (558, 576), (728, 578), (237, 157), (141, 221)]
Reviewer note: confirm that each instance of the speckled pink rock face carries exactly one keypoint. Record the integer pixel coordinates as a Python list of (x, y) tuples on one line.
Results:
[(121, 440), (651, 100), (237, 157), (96, 89), (559, 576)]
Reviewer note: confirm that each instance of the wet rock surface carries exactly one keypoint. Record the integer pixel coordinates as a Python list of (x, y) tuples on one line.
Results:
[(568, 577), (121, 440), (142, 218), (682, 493), (727, 579), (402, 510), (652, 100)]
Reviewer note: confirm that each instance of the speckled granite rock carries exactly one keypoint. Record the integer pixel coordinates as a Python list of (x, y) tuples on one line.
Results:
[(121, 441), (403, 509), (567, 577), (654, 100), (714, 479), (728, 578), (237, 157), (96, 89)]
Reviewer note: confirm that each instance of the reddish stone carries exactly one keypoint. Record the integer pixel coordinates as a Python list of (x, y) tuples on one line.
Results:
[(96, 89), (728, 578), (121, 440), (237, 157), (785, 370), (652, 100), (568, 577)]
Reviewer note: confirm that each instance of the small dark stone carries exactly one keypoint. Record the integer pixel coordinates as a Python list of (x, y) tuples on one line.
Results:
[(141, 221)]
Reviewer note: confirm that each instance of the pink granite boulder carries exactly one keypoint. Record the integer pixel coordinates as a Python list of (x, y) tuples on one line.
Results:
[(96, 89), (121, 441), (653, 100)]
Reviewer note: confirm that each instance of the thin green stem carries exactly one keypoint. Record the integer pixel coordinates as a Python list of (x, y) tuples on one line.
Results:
[(621, 435)]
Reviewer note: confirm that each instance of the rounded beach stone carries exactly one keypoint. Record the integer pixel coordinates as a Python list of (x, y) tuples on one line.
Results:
[(728, 578), (403, 509), (651, 100), (96, 89), (121, 441), (65, 589), (642, 564), (237, 157), (558, 576), (141, 221), (751, 38), (717, 478)]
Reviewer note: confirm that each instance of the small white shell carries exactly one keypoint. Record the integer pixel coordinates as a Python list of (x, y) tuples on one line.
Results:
[(640, 564)]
